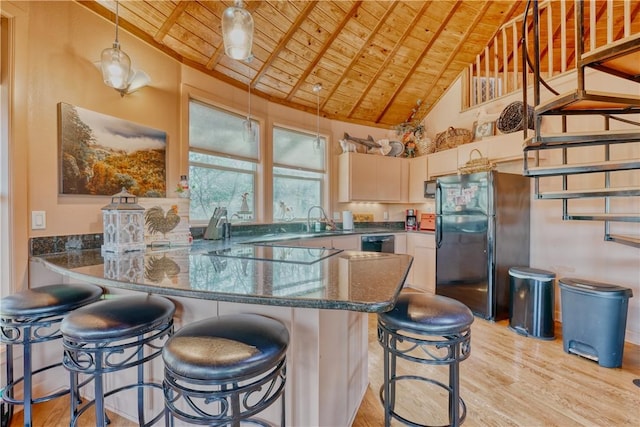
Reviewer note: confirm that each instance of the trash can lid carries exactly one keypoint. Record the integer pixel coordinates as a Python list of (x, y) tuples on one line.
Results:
[(531, 273), (595, 288)]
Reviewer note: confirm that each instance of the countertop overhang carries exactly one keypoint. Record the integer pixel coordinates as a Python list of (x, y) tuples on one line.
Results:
[(347, 280)]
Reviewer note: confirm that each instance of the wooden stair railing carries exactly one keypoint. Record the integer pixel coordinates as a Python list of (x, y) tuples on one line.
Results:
[(621, 59)]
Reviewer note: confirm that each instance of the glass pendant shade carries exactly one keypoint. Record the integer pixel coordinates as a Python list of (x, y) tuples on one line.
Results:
[(317, 142), (249, 131), (116, 67), (237, 32)]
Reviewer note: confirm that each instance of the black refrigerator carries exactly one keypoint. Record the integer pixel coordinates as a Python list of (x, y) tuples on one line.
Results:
[(482, 229)]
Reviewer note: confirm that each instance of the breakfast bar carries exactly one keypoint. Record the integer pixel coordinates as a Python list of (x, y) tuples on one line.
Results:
[(322, 295)]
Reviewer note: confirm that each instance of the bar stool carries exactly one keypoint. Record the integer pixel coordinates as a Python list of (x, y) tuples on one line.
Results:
[(224, 370), (31, 317), (111, 336), (427, 329)]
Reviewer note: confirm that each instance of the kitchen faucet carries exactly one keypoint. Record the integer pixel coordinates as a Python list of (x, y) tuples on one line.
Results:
[(309, 216)]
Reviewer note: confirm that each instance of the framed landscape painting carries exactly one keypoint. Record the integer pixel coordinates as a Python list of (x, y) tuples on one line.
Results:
[(100, 155)]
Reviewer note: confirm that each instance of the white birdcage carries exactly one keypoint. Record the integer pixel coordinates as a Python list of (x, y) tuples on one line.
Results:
[(123, 221)]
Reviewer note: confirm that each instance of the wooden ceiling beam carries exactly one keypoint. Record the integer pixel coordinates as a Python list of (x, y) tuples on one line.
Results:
[(171, 20), (418, 61), (304, 14), (323, 50), (357, 56), (398, 45), (425, 106)]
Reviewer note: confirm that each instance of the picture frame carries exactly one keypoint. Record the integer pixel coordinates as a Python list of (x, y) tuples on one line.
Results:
[(101, 155), (484, 129)]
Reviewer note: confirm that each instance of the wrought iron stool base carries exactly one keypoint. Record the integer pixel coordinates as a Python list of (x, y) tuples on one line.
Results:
[(430, 330), (112, 336), (32, 317)]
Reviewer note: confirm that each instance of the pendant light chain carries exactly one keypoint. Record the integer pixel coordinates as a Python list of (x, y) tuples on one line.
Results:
[(117, 22)]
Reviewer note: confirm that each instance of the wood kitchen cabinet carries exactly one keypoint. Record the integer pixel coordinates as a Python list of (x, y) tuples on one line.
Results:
[(422, 275), (417, 176), (442, 163), (372, 178), (400, 243)]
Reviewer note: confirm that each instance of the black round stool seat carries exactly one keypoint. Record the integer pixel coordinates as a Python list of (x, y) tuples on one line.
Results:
[(48, 300), (428, 314), (227, 368), (430, 330), (111, 336), (117, 318), (30, 317), (227, 347)]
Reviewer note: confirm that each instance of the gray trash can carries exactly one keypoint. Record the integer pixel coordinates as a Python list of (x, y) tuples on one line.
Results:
[(532, 302), (594, 318)]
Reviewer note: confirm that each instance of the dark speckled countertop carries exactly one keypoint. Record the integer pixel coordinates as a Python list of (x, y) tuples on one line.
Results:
[(233, 270)]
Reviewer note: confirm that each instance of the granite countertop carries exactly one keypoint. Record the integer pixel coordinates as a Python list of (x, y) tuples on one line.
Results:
[(234, 270)]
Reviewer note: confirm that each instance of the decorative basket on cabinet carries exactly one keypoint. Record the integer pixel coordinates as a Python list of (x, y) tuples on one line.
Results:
[(480, 164)]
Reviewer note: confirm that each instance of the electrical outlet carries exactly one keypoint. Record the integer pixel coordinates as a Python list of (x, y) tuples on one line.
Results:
[(386, 215), (336, 216), (38, 220)]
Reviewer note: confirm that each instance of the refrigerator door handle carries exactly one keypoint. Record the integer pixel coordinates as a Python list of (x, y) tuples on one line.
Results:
[(438, 197), (438, 227)]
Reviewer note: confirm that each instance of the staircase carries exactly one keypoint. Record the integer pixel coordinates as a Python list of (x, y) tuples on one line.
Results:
[(617, 151)]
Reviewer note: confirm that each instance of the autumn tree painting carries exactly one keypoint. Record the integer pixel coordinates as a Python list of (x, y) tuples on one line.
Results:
[(100, 154)]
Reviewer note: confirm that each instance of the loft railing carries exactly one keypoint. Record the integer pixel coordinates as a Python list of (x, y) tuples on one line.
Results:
[(497, 70)]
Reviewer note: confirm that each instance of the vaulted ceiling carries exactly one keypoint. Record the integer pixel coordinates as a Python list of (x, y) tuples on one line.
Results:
[(380, 63)]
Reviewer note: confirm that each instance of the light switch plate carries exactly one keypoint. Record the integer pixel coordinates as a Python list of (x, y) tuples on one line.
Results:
[(38, 220)]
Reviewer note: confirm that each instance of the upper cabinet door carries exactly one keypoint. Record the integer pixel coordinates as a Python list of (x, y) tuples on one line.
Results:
[(372, 178), (442, 163), (417, 177), (389, 171)]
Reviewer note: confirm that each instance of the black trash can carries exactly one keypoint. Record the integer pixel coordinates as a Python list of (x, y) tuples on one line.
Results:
[(594, 318), (532, 302)]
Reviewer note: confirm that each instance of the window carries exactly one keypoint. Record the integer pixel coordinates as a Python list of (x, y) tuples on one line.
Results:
[(299, 172), (222, 163)]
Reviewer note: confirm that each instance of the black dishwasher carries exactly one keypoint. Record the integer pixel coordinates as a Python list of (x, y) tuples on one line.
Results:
[(378, 243)]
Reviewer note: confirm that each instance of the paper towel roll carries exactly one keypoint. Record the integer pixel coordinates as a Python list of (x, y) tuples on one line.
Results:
[(347, 220)]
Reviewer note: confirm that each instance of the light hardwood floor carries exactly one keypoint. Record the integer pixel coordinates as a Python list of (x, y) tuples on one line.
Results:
[(509, 380)]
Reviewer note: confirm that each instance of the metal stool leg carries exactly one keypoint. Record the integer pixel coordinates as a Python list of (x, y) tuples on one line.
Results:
[(7, 408), (28, 392), (454, 397), (140, 370)]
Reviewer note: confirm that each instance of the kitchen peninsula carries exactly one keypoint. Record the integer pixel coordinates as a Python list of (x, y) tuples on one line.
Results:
[(321, 294)]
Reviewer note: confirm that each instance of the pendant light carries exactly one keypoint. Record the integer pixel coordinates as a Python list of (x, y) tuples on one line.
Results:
[(115, 64), (249, 130), (116, 68), (317, 143), (237, 31)]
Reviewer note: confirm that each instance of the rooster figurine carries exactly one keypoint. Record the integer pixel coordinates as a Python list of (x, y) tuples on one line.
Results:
[(157, 222)]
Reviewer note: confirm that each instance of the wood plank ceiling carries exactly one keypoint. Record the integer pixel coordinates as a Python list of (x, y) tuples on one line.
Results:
[(381, 63)]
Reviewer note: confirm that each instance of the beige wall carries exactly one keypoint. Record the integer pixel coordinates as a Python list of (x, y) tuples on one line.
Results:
[(570, 248)]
